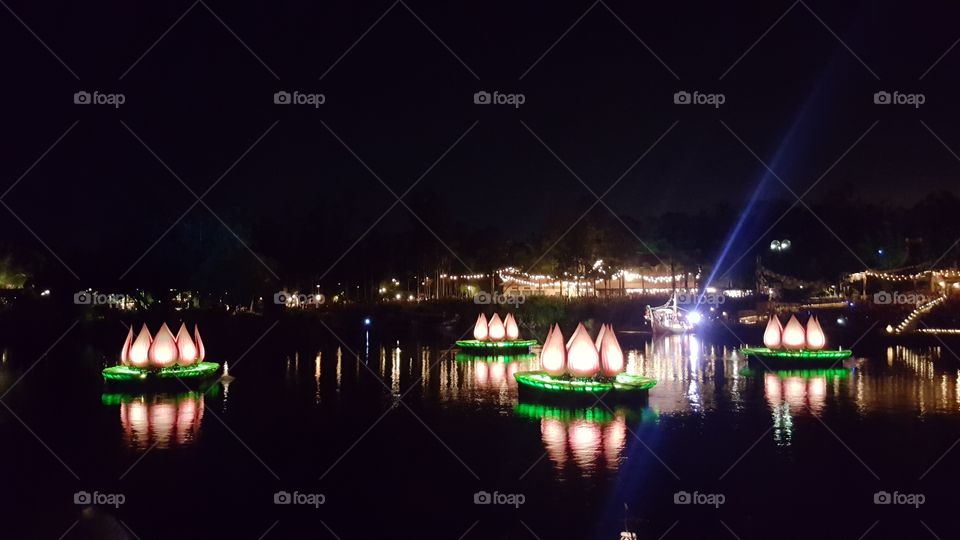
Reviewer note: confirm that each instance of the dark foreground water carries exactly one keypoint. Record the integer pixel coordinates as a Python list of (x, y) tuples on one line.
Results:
[(399, 444)]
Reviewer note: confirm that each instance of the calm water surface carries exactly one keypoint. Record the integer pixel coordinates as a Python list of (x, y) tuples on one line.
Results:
[(399, 442)]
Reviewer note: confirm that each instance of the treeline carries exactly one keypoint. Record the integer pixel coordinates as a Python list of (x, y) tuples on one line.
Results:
[(256, 255)]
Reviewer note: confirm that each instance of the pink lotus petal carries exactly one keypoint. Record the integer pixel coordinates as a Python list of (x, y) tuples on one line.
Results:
[(480, 329), (139, 354), (187, 352), (495, 329)]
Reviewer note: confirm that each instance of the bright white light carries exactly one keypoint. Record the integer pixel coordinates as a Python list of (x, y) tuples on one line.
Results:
[(46, 292), (694, 317)]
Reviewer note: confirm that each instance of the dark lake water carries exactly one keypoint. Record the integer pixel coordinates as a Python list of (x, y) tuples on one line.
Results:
[(399, 442)]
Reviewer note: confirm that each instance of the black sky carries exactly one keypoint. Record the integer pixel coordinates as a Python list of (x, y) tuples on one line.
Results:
[(199, 93)]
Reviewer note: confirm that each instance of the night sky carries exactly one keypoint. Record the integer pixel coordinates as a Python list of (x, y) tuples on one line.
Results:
[(399, 81)]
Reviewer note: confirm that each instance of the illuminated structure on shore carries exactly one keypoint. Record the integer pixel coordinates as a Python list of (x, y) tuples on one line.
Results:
[(496, 337), (582, 368), (161, 358), (792, 344)]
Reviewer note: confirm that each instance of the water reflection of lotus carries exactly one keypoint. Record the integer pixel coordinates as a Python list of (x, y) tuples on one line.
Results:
[(588, 438), (493, 374), (790, 391), (503, 358), (158, 420)]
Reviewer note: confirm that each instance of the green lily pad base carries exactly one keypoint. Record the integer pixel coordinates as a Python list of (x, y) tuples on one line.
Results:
[(781, 358), (496, 348), (172, 376), (541, 386)]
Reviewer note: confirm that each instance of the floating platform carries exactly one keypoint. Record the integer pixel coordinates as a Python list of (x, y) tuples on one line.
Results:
[(802, 358), (174, 376), (540, 386), (496, 348)]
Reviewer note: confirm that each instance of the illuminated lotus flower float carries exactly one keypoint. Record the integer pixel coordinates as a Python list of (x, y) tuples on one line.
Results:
[(496, 337), (582, 368), (162, 357), (794, 344)]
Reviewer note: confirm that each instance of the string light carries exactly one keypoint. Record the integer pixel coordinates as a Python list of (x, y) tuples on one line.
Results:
[(916, 313), (886, 276)]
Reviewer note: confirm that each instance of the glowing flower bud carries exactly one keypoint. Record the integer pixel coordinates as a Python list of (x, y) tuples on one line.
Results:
[(794, 337), (603, 330), (771, 336), (573, 336), (611, 355), (513, 331), (187, 352), (163, 351), (125, 352), (582, 357), (199, 343), (495, 329), (480, 329), (553, 357), (138, 355), (816, 339)]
